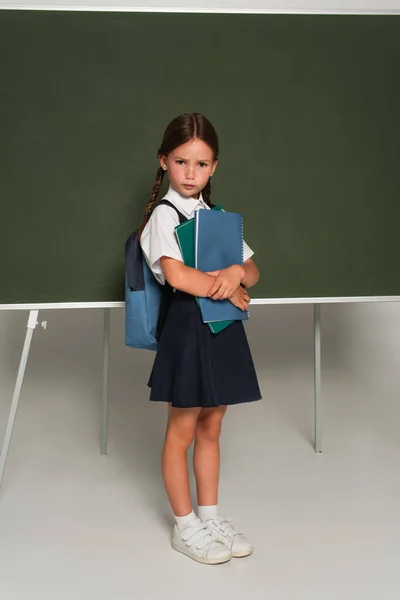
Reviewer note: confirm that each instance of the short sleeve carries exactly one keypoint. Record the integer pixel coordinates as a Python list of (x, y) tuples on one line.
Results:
[(247, 252), (158, 239)]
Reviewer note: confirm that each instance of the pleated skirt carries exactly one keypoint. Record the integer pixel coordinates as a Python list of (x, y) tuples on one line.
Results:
[(194, 367)]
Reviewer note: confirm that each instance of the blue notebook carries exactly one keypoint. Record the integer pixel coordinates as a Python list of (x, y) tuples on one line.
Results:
[(185, 236), (218, 245)]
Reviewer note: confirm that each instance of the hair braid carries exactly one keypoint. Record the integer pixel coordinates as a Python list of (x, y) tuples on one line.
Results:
[(152, 201), (207, 192)]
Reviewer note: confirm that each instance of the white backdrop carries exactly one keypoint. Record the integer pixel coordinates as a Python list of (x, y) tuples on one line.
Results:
[(252, 5)]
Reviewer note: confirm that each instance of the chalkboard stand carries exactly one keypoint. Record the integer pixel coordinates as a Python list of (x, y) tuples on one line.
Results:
[(31, 326), (317, 377), (106, 370)]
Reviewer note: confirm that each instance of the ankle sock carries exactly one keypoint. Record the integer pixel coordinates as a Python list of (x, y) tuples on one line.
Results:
[(182, 522), (205, 512)]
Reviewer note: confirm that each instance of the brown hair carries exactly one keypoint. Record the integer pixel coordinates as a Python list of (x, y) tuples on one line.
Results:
[(182, 129)]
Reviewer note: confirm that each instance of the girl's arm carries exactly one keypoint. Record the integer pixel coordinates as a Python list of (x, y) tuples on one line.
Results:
[(186, 279), (228, 280), (197, 283), (251, 273)]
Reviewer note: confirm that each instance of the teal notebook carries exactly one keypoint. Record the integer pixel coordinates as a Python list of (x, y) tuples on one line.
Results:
[(185, 237)]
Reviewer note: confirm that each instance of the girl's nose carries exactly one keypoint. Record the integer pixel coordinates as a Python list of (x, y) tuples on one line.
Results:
[(189, 172)]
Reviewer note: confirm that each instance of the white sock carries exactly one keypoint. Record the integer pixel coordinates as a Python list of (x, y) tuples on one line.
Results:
[(205, 512), (182, 522)]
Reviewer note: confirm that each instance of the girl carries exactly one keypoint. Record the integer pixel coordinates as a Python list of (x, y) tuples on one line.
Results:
[(196, 372)]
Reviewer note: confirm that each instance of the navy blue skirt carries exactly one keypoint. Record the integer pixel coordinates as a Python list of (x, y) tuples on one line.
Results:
[(196, 368)]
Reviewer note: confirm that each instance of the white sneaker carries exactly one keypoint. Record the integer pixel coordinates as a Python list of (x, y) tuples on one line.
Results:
[(239, 545), (198, 542)]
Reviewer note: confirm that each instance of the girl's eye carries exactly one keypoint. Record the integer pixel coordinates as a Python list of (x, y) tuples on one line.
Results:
[(179, 162), (203, 164)]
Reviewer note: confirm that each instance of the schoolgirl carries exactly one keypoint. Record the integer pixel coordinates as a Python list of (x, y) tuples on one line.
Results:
[(198, 373)]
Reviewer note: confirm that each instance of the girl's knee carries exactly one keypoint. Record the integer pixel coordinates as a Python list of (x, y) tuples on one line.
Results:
[(209, 424), (179, 437), (181, 426)]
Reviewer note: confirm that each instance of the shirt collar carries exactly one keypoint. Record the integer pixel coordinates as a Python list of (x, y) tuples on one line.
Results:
[(186, 205)]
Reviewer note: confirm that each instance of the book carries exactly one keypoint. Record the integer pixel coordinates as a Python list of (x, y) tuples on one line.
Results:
[(185, 238), (218, 239)]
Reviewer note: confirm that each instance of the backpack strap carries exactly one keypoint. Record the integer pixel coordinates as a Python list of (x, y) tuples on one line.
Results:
[(168, 291), (134, 255), (182, 218)]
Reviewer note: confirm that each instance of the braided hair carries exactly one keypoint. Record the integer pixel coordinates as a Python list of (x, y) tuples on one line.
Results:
[(207, 192), (181, 130)]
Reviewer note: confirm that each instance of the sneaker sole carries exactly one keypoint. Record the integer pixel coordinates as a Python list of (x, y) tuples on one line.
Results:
[(243, 554), (204, 561)]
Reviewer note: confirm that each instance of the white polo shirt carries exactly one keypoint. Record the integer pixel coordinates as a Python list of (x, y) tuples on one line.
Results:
[(158, 238)]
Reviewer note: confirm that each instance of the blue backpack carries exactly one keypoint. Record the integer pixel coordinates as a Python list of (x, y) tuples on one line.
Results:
[(146, 300)]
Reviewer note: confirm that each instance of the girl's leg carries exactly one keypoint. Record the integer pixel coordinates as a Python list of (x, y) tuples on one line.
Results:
[(180, 433), (190, 535), (206, 461), (206, 456)]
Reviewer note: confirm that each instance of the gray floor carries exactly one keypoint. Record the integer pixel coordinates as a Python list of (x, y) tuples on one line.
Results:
[(74, 524)]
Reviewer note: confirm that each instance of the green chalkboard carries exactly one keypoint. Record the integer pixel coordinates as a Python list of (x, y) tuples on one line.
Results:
[(307, 108)]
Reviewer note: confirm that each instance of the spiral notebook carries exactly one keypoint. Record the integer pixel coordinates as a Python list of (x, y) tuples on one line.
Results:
[(185, 237), (218, 245)]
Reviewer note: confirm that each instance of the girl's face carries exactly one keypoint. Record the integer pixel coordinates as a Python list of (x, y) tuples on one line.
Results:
[(189, 167)]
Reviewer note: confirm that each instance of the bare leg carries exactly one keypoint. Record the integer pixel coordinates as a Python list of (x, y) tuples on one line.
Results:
[(180, 433), (206, 456)]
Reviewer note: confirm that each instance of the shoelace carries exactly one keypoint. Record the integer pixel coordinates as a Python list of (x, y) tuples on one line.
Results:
[(200, 535)]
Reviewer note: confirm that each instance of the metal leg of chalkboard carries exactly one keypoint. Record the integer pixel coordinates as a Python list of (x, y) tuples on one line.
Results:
[(317, 376), (32, 323), (106, 355)]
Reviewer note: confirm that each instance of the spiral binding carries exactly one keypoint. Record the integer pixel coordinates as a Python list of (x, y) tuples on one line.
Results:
[(241, 218)]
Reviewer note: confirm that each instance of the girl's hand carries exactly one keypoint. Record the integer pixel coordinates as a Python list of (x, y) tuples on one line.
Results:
[(226, 282), (240, 298)]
